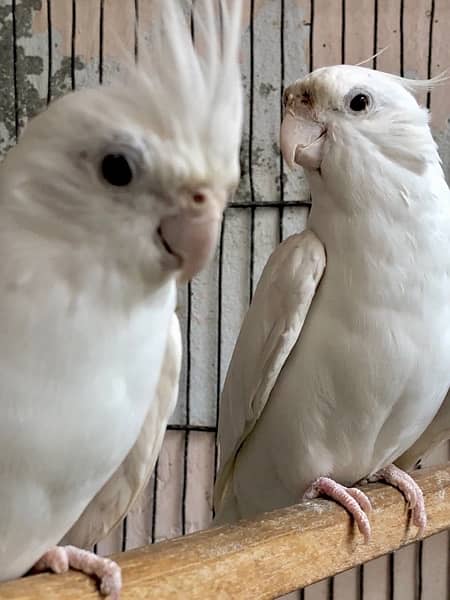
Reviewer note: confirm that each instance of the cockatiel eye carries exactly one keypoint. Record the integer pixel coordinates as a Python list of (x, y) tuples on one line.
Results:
[(117, 169), (359, 101)]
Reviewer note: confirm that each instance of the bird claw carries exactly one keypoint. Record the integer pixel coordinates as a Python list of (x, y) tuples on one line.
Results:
[(60, 558), (352, 499), (409, 488), (55, 560), (360, 498)]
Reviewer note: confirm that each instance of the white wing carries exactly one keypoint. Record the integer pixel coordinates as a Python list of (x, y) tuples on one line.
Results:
[(118, 495), (438, 431), (269, 332)]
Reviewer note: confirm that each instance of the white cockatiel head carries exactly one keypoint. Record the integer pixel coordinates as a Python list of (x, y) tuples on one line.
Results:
[(143, 167), (339, 116)]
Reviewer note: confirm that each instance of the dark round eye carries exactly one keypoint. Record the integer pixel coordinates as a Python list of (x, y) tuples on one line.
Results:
[(359, 102), (116, 170)]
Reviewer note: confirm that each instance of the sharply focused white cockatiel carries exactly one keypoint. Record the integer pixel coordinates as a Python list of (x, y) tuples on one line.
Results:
[(109, 197), (343, 359)]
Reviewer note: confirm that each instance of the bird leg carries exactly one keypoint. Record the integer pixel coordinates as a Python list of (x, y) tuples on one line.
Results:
[(352, 499), (60, 558), (409, 488)]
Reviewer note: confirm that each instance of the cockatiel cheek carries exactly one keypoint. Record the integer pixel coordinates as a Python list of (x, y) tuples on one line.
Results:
[(192, 234)]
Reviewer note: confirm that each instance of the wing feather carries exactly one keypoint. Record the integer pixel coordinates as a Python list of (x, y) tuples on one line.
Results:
[(270, 330)]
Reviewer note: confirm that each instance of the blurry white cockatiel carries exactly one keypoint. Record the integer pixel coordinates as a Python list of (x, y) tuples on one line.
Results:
[(343, 358), (109, 197)]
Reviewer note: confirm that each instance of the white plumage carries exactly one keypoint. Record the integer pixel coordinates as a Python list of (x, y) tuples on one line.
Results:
[(339, 379), (117, 496), (109, 196)]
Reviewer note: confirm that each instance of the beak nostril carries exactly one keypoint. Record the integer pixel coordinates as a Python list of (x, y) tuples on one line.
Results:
[(199, 198)]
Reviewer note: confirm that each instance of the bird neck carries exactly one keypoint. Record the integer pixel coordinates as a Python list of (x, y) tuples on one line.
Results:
[(379, 208)]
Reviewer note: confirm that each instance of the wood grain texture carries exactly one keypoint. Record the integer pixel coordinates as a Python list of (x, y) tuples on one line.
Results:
[(327, 34), (359, 20), (294, 219), (415, 41), (86, 43), (179, 501), (61, 17), (261, 558), (440, 97), (236, 259), (405, 573), (119, 18), (266, 102), (296, 30), (32, 59), (388, 35), (202, 347), (266, 238), (199, 481), (169, 487), (318, 591), (139, 529), (346, 586), (434, 552)]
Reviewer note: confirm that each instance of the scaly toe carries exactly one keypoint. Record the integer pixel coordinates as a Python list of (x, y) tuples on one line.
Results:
[(360, 498), (111, 580), (352, 499), (411, 491), (419, 513), (361, 520), (105, 570), (55, 560), (60, 558)]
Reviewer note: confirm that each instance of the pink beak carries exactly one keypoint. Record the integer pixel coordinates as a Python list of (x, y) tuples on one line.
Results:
[(301, 138), (192, 234)]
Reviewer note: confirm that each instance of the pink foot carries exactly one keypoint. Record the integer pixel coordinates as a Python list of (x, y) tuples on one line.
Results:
[(409, 488), (60, 558), (354, 500)]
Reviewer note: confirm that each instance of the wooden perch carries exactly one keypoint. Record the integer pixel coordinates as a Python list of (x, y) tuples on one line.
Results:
[(263, 558)]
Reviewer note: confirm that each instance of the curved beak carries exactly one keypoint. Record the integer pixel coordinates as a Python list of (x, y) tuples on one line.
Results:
[(192, 234), (301, 141)]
